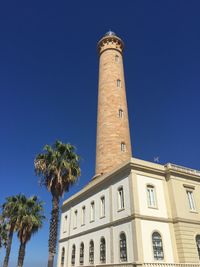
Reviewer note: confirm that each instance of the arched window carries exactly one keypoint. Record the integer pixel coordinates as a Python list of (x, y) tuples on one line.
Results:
[(83, 216), (120, 198), (102, 210), (92, 211), (102, 250), (65, 225), (118, 83), (198, 244), (91, 252), (157, 246), (81, 254), (123, 147), (123, 247), (62, 256), (121, 113), (75, 218), (116, 58), (73, 255)]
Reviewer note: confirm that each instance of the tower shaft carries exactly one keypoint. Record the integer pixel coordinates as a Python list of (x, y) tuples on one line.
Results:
[(113, 145)]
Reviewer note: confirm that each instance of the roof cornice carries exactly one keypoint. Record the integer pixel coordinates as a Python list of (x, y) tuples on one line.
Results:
[(167, 171)]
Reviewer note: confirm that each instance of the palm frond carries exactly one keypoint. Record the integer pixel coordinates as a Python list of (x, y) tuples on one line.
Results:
[(58, 168)]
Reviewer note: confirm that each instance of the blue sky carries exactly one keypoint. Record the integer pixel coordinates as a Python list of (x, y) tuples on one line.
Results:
[(49, 79)]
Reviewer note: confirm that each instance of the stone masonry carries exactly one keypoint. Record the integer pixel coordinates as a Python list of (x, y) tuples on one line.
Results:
[(113, 145)]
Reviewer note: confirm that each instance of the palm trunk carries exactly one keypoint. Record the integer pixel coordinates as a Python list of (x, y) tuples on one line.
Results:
[(50, 259), (53, 231), (8, 246), (21, 255)]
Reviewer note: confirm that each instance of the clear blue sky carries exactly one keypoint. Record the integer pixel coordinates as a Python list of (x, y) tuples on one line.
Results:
[(49, 79)]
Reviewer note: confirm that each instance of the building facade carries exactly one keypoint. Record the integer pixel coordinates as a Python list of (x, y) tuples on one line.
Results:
[(133, 212)]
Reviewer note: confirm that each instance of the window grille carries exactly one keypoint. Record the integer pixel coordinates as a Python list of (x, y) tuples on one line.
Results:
[(157, 246), (63, 257), (198, 244), (102, 250), (123, 248), (73, 255), (81, 254), (91, 252)]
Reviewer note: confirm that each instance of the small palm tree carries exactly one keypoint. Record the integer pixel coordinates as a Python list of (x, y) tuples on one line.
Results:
[(29, 221), (10, 215), (58, 168)]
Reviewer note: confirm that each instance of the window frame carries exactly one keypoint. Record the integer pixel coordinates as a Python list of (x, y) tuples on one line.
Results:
[(153, 246), (83, 211), (120, 113), (103, 255), (65, 224), (73, 256), (198, 247), (121, 248), (120, 198), (92, 211), (191, 201), (123, 147), (81, 255), (91, 252), (102, 207), (153, 189), (116, 58), (75, 218), (119, 83), (62, 256)]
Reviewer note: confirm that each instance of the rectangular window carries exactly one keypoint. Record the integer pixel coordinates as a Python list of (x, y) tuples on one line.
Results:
[(123, 147), (121, 198), (75, 218), (92, 211), (83, 216), (118, 83), (191, 200), (102, 206), (151, 196)]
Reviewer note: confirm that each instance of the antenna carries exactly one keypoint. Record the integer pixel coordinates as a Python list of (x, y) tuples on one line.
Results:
[(156, 159)]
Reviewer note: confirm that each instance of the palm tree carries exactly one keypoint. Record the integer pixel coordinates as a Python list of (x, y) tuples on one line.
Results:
[(29, 221), (10, 215), (58, 168), (3, 233)]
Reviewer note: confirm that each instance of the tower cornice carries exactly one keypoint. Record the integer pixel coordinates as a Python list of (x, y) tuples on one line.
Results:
[(110, 42)]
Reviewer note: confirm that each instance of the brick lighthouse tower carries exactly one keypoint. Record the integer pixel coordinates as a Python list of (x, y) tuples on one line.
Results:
[(113, 145)]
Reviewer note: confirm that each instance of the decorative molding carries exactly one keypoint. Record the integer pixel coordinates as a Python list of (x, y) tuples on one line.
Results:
[(189, 186), (132, 165), (130, 218)]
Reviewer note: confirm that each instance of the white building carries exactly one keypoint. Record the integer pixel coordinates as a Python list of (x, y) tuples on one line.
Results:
[(133, 212)]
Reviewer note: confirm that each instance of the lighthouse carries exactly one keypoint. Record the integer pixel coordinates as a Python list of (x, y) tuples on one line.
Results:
[(113, 145)]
